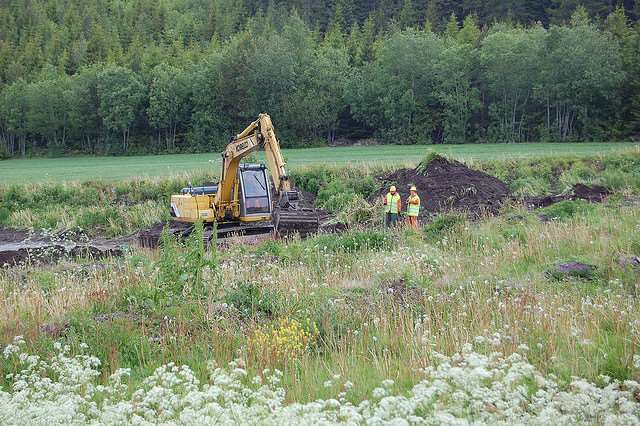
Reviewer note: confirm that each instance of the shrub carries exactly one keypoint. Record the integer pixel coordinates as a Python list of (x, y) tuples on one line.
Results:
[(312, 180), (251, 299), (15, 197), (4, 215), (566, 209), (442, 224), (181, 265), (423, 165)]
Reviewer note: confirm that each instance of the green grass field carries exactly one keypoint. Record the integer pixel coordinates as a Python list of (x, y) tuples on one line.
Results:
[(114, 168)]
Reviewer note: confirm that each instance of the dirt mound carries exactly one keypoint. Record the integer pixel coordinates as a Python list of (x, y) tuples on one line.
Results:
[(593, 194), (450, 185)]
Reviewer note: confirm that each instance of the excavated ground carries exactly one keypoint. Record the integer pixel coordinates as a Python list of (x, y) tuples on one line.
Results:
[(20, 247), (443, 186), (450, 185), (593, 194)]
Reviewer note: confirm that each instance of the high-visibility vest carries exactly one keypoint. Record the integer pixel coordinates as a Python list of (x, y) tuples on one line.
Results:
[(392, 203), (413, 209)]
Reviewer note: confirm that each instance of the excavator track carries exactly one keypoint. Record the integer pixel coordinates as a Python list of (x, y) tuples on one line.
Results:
[(287, 222), (151, 238)]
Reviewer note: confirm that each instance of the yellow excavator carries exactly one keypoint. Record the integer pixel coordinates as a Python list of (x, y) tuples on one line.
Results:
[(245, 201)]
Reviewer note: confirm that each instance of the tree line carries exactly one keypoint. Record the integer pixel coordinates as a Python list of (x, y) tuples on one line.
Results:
[(183, 76)]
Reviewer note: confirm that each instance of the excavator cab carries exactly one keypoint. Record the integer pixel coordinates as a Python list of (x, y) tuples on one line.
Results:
[(254, 198), (254, 193)]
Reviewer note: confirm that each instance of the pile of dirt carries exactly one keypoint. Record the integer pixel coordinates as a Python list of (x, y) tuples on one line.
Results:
[(593, 194), (449, 185)]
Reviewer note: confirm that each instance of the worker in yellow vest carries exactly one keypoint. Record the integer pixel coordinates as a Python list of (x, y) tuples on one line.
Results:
[(413, 208), (392, 206)]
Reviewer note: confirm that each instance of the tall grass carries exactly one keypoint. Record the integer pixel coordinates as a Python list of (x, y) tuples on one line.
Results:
[(466, 279)]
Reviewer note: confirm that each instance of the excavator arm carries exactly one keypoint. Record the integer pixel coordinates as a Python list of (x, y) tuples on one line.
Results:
[(289, 211), (259, 134)]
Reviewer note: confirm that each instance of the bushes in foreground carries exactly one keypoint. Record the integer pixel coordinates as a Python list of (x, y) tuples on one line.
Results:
[(466, 387)]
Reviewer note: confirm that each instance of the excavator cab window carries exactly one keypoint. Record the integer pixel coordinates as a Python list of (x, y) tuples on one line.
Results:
[(255, 190)]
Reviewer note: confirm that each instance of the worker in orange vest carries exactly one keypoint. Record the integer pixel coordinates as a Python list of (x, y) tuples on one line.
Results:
[(392, 206), (413, 208)]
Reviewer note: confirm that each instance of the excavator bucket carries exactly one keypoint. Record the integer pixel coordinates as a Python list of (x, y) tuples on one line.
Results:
[(291, 221), (292, 216)]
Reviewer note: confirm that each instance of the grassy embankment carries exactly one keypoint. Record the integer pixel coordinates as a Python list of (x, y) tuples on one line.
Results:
[(321, 307), (110, 208), (79, 169)]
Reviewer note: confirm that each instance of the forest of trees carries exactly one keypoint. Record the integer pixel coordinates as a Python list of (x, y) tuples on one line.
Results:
[(143, 76)]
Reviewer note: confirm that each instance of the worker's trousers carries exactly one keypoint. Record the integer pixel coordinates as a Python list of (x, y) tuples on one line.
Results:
[(391, 219), (412, 221)]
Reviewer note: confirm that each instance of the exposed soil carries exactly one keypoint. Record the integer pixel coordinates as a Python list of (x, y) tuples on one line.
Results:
[(450, 185), (593, 194), (21, 247)]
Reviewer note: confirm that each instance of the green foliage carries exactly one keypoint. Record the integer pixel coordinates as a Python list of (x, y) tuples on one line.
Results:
[(4, 215), (352, 241), (515, 234), (423, 165), (95, 219), (528, 186), (567, 209), (442, 224), (183, 76), (312, 180), (252, 299), (182, 265), (121, 94)]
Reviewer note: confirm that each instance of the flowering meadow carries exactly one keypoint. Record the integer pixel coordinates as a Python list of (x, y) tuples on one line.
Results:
[(461, 322), (466, 388)]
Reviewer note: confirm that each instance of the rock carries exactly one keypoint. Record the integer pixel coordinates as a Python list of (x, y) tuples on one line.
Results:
[(401, 292), (55, 329), (629, 261), (572, 270)]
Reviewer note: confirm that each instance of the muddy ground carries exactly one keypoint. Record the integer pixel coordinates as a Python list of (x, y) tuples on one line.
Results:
[(21, 247), (579, 191), (449, 185)]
